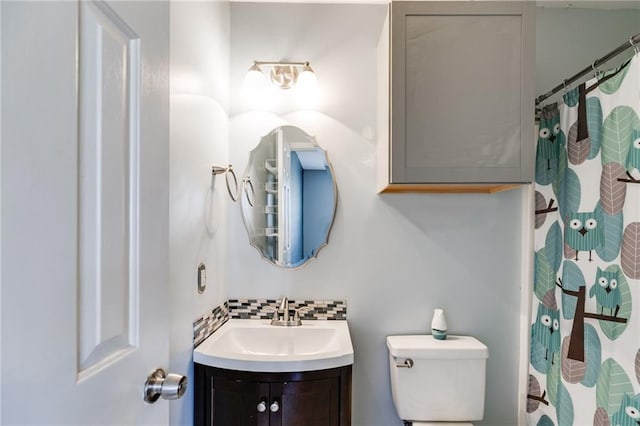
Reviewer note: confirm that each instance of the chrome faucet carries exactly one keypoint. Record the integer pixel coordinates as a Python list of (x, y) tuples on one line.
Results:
[(281, 315), (284, 307)]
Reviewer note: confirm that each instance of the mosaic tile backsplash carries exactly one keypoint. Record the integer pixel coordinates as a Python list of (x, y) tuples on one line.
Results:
[(310, 309), (204, 326)]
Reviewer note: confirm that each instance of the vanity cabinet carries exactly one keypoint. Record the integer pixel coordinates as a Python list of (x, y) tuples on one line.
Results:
[(242, 398), (456, 96)]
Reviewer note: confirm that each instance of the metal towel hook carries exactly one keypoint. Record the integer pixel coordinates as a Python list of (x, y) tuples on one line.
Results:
[(217, 170)]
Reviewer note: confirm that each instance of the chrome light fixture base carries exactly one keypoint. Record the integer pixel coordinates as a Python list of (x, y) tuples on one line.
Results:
[(283, 75)]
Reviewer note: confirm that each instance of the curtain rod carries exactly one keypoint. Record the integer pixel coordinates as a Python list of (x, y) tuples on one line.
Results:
[(633, 40)]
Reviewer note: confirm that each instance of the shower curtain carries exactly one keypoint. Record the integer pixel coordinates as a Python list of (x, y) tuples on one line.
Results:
[(585, 321)]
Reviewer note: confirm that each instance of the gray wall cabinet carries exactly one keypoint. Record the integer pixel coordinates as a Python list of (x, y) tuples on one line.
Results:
[(459, 107)]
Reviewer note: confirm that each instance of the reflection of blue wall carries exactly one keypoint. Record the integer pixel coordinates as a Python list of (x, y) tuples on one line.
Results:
[(317, 208), (295, 252)]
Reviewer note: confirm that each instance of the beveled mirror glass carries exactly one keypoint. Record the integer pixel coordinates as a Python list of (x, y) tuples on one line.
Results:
[(289, 197)]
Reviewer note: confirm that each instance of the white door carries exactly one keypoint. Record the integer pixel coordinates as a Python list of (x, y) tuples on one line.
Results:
[(84, 225)]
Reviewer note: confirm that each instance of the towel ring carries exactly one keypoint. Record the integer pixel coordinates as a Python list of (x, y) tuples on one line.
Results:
[(246, 183), (217, 170), (230, 171)]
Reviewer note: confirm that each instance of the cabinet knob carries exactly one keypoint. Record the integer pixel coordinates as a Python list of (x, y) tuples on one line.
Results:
[(274, 407), (262, 407)]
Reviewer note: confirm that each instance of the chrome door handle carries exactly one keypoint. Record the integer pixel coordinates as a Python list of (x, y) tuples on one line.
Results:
[(160, 384)]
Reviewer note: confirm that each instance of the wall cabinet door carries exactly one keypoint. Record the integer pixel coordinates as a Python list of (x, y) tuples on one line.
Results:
[(461, 93)]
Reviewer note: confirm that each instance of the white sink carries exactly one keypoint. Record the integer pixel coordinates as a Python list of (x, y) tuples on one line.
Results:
[(255, 345)]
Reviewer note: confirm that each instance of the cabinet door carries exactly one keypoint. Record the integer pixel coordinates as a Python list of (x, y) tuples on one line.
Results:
[(462, 102), (235, 402), (309, 403)]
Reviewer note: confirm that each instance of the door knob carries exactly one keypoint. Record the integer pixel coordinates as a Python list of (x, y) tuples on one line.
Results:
[(160, 384), (274, 407), (262, 407)]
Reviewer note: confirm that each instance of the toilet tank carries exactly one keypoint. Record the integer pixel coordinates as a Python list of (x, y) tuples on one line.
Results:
[(446, 381)]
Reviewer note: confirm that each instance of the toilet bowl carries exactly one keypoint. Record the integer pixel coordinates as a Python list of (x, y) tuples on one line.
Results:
[(438, 382)]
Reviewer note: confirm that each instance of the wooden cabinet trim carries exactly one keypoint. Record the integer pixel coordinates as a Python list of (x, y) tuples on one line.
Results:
[(399, 188)]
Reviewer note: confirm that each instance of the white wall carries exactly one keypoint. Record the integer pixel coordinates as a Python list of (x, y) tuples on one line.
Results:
[(199, 135), (390, 256), (394, 258), (569, 39), (0, 214)]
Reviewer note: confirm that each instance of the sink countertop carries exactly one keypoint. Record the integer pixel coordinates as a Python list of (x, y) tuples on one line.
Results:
[(255, 345)]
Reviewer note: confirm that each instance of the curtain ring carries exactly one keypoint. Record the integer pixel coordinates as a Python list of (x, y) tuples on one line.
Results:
[(594, 67), (634, 45), (564, 86), (246, 183), (233, 196)]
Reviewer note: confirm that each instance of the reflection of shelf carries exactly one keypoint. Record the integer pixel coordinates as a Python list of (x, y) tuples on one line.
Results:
[(271, 209), (271, 232), (271, 187), (271, 166)]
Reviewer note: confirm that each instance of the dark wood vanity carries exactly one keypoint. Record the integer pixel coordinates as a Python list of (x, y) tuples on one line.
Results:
[(244, 398)]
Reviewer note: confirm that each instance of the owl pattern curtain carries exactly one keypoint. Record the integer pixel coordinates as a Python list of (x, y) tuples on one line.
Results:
[(585, 321)]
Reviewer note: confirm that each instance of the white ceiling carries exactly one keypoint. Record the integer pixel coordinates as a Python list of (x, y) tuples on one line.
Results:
[(317, 1), (591, 4)]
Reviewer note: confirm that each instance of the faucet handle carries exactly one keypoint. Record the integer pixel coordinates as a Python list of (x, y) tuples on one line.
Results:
[(269, 309), (297, 312)]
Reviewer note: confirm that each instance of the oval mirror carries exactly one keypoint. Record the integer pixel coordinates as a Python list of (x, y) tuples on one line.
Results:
[(289, 197)]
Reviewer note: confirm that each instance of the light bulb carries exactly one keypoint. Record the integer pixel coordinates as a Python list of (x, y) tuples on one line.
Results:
[(307, 87), (308, 78), (254, 80), (256, 91)]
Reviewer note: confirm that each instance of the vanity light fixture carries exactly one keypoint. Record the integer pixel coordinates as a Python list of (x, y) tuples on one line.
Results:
[(284, 75)]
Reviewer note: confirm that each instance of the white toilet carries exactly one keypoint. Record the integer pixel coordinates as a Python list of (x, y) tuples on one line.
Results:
[(438, 382)]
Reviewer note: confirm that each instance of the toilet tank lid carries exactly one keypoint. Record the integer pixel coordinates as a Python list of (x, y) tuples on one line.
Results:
[(426, 347)]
